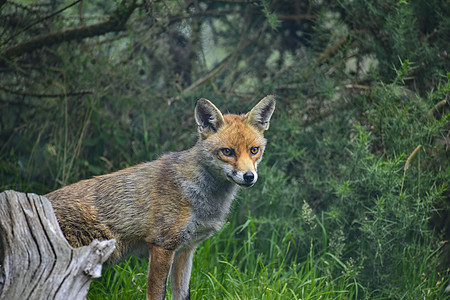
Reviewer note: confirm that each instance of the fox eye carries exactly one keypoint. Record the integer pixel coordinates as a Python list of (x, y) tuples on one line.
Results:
[(227, 151), (254, 150)]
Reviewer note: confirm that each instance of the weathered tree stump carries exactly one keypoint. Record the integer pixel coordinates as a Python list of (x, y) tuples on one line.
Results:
[(36, 261)]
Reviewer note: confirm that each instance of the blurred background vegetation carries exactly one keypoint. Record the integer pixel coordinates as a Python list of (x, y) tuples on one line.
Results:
[(355, 176)]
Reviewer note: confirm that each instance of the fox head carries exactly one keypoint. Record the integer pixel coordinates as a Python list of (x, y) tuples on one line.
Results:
[(234, 144)]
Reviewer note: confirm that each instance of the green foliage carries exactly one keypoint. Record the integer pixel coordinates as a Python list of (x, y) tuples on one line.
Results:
[(271, 17), (352, 200)]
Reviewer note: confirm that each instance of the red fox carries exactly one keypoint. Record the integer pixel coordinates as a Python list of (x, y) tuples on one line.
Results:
[(166, 207)]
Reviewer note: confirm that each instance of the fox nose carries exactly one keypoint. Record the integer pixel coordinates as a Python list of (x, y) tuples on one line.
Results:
[(249, 177)]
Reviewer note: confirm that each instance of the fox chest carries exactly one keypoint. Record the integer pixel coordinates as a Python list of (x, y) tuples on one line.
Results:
[(208, 219), (196, 232)]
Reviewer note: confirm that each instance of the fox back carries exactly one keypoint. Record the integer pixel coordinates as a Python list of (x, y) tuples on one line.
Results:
[(166, 207)]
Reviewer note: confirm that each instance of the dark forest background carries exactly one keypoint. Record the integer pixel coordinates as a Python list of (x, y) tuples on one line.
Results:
[(355, 179)]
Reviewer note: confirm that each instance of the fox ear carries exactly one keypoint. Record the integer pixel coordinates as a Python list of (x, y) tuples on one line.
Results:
[(259, 116), (208, 117)]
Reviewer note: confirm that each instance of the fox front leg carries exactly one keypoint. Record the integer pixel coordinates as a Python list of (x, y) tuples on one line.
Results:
[(158, 271), (181, 273)]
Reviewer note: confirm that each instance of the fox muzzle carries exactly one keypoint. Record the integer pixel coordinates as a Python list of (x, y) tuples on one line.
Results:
[(246, 179)]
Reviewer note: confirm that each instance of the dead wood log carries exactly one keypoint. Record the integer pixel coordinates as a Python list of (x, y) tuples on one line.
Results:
[(36, 261)]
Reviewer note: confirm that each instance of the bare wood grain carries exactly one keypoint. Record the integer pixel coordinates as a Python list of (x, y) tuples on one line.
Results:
[(36, 261)]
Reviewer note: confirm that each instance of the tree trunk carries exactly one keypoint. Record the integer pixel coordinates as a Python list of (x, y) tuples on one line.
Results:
[(36, 261)]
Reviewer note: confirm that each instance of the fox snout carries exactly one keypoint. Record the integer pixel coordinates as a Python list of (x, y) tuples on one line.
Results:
[(240, 164), (250, 179), (245, 179)]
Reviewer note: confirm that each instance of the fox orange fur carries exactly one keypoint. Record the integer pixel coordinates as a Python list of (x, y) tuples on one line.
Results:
[(166, 207)]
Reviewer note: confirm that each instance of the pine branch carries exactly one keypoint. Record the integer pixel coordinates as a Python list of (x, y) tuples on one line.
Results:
[(333, 49), (40, 20), (298, 17), (115, 23), (44, 95)]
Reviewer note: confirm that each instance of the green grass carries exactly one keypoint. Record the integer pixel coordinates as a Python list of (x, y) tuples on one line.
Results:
[(231, 266), (126, 280), (219, 272)]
